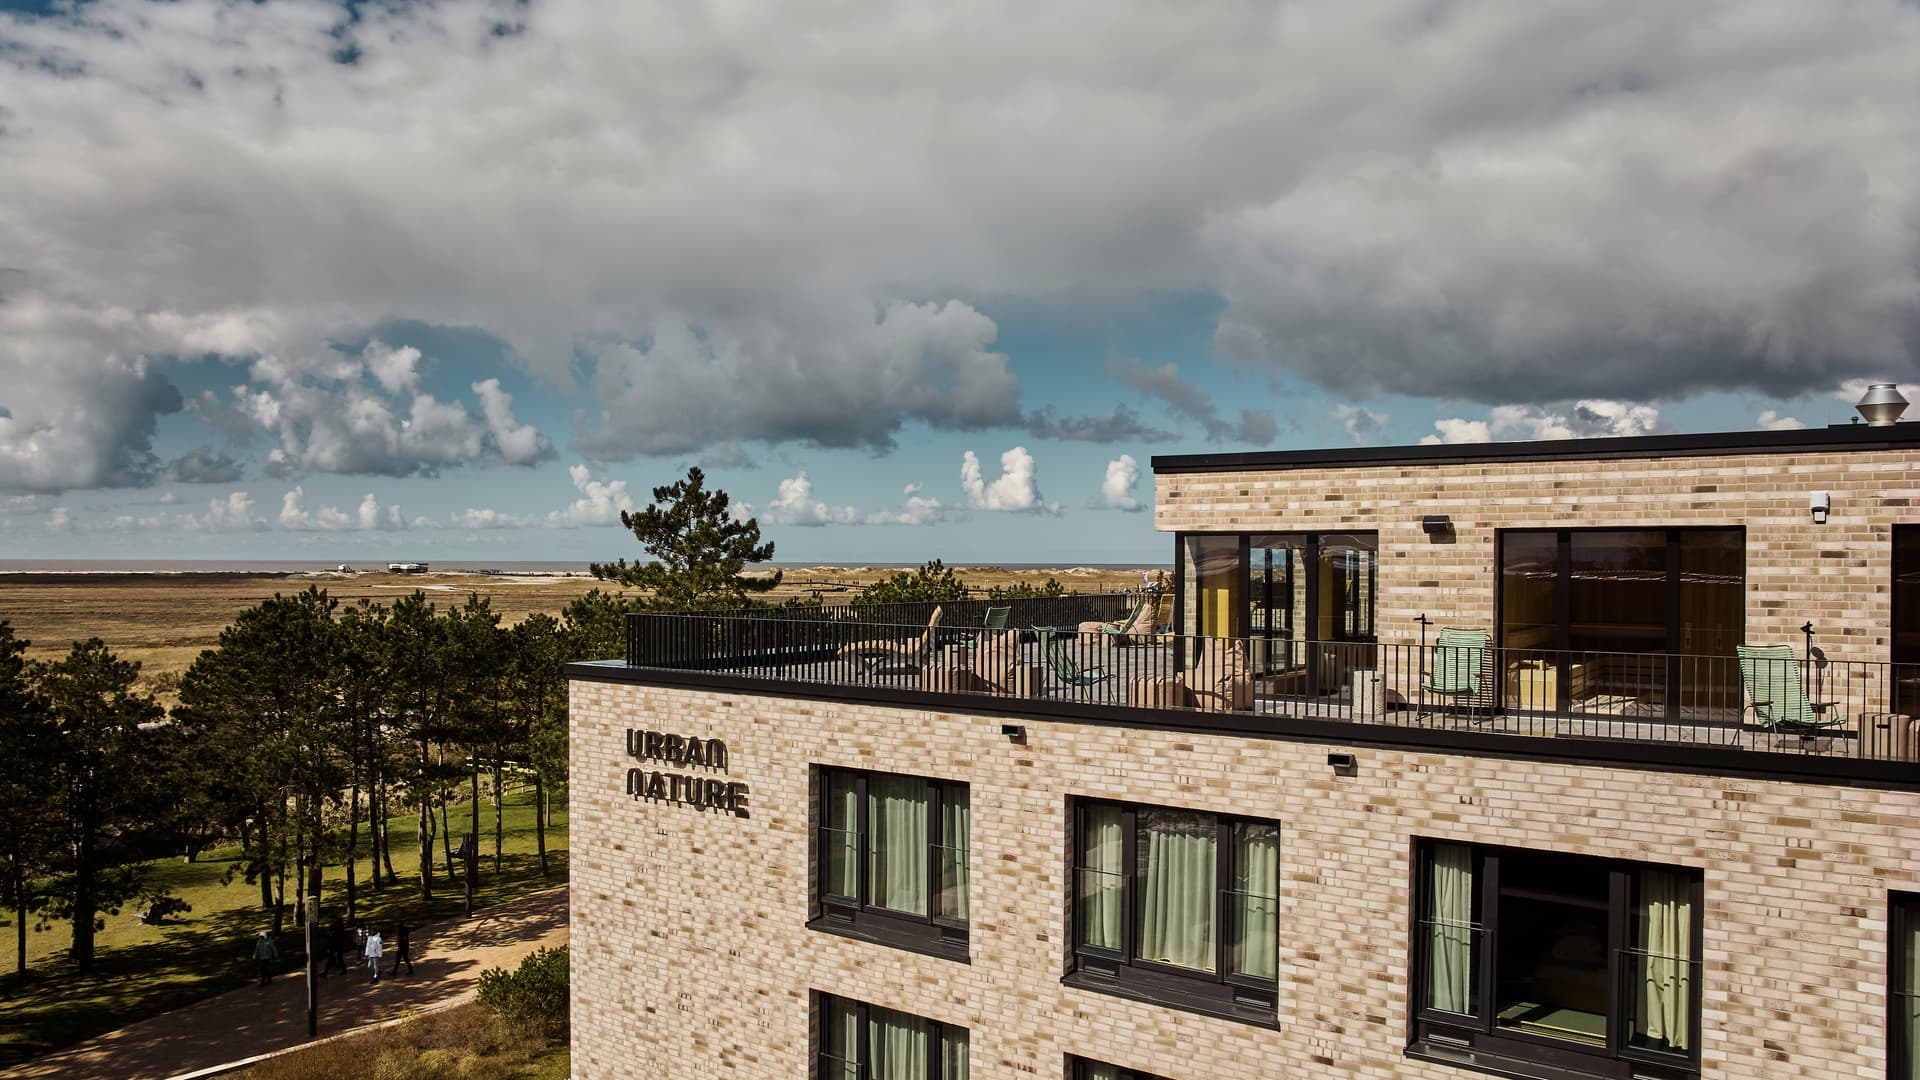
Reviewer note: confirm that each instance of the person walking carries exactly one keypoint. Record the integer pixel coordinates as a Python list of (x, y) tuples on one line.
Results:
[(336, 948), (265, 952), (374, 950), (403, 952)]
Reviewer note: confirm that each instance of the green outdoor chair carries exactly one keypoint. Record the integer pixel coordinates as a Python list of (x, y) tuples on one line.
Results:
[(997, 616), (1064, 665), (1457, 658), (1771, 676)]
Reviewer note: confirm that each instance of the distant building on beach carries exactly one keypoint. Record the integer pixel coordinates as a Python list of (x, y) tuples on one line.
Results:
[(406, 568), (1591, 760)]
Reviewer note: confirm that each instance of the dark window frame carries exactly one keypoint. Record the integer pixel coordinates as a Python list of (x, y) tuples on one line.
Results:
[(1903, 914), (930, 934), (823, 1070), (1563, 608), (1476, 1042), (1217, 993), (1081, 1068), (1364, 618)]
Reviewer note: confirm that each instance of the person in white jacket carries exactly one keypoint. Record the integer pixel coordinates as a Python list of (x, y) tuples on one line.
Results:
[(375, 948)]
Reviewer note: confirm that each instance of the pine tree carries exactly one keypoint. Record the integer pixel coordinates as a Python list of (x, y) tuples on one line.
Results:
[(699, 549)]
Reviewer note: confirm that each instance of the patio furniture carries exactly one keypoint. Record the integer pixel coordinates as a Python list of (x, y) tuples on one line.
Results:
[(1771, 676), (881, 657), (1219, 679), (1157, 692), (1457, 658), (995, 665), (1064, 666), (997, 616), (1135, 629)]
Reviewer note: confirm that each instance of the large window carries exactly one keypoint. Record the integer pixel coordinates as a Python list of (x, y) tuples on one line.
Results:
[(1177, 907), (1305, 601), (1906, 619), (866, 1042), (1623, 621), (1903, 1004), (893, 860), (1590, 965), (1084, 1069)]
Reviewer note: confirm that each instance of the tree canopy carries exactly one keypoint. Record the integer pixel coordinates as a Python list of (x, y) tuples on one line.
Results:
[(699, 548)]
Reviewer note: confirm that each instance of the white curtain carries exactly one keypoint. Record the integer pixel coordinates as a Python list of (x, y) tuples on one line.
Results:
[(1910, 1001), (897, 1045), (1178, 885), (1102, 878), (897, 823), (1450, 933), (955, 825), (841, 839), (842, 1040), (1097, 1071), (953, 1054), (1665, 1016), (1256, 900)]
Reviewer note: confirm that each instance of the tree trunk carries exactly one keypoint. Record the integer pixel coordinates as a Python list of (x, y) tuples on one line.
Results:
[(280, 896), (263, 865), (473, 816), (19, 896), (426, 829), (499, 801), (540, 820), (446, 833), (353, 836)]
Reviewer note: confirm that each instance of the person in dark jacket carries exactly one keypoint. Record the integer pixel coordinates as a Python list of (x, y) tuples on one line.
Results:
[(265, 952), (403, 952), (336, 947)]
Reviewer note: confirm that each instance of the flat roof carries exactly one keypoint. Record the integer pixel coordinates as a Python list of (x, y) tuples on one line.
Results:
[(1856, 438)]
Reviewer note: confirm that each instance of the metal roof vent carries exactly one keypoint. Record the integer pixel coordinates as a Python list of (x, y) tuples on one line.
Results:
[(1882, 404)]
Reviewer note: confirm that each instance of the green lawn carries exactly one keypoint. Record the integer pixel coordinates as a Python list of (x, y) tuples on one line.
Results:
[(142, 970), (464, 1042)]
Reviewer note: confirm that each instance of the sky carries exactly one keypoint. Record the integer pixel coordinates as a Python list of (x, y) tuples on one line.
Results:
[(376, 281)]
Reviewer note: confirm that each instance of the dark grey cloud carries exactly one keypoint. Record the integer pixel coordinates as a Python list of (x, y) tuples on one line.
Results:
[(203, 465), (1120, 425), (1255, 426)]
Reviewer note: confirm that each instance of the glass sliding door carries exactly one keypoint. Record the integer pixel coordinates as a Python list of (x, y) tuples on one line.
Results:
[(1906, 619), (1277, 621), (1347, 575), (1306, 602), (1626, 622)]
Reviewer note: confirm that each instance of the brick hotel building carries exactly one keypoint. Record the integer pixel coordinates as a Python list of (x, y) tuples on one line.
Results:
[(1574, 759)]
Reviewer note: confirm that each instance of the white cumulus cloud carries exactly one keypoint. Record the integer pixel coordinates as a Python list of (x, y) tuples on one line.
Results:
[(1590, 418), (600, 502), (1016, 490), (1123, 477), (794, 504)]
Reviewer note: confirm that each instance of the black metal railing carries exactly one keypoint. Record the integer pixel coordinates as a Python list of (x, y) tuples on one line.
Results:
[(1849, 707)]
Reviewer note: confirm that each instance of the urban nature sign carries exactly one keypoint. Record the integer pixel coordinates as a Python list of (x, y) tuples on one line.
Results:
[(683, 788)]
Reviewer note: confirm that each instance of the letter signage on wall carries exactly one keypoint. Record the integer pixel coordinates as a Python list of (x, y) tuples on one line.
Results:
[(683, 788)]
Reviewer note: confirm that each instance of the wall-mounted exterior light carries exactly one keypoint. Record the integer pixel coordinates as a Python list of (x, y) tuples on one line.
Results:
[(1821, 503)]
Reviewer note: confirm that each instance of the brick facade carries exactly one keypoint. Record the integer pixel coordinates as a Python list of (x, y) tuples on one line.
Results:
[(1834, 575), (691, 956)]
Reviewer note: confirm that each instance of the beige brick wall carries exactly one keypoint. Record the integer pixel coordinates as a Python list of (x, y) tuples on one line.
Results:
[(691, 958), (1835, 575)]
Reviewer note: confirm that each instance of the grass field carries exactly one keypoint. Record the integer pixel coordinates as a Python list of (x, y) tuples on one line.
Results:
[(164, 620), (463, 1042), (142, 970)]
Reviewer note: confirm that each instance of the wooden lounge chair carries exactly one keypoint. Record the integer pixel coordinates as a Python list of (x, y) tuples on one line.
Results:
[(1771, 676), (1064, 666), (1457, 659), (878, 657)]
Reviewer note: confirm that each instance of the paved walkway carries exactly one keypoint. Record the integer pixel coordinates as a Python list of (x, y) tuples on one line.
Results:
[(448, 960)]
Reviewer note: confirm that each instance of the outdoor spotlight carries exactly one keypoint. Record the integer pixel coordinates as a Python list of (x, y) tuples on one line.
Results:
[(1343, 764), (1438, 527), (1015, 733), (1821, 503)]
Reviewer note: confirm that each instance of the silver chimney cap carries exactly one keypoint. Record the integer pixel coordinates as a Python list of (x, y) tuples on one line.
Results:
[(1882, 404)]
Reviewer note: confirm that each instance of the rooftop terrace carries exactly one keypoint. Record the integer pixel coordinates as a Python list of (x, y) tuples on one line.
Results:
[(1835, 722)]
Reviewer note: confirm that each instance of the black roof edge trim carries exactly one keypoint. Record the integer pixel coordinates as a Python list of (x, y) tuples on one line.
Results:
[(1601, 753), (1849, 437)]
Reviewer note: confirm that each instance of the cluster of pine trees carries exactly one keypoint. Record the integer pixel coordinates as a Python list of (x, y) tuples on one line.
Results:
[(298, 736)]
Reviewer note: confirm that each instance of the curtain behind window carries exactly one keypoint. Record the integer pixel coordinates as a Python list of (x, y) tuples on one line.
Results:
[(841, 840), (1450, 929), (842, 1041), (1910, 1003), (897, 1045), (1665, 990), (1254, 943), (897, 822), (1177, 887), (955, 826), (1102, 878), (953, 1054), (1096, 1071)]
